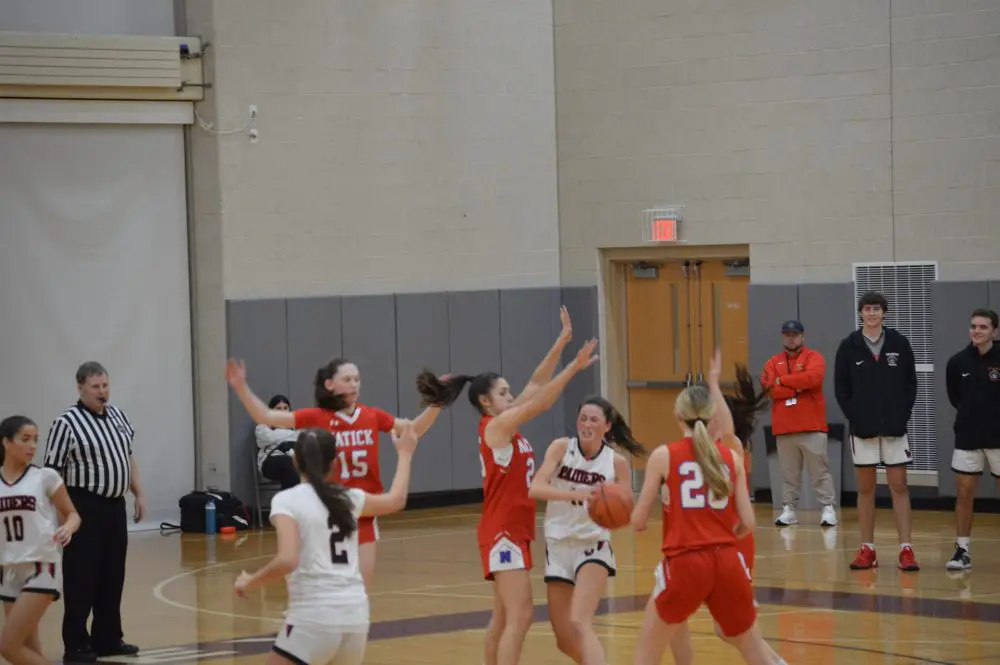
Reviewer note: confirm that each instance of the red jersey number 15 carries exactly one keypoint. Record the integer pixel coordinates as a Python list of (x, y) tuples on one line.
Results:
[(355, 465)]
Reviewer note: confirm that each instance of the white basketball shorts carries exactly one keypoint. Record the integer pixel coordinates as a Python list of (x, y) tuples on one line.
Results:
[(311, 644), (32, 577), (564, 559), (889, 450), (973, 462)]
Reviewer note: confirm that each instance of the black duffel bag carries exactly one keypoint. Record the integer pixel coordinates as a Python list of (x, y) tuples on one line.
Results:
[(229, 511)]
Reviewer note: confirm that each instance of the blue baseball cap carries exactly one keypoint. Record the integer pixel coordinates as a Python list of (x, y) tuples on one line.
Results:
[(792, 326)]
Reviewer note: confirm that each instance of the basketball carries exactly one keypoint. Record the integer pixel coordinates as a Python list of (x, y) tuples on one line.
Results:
[(611, 507)]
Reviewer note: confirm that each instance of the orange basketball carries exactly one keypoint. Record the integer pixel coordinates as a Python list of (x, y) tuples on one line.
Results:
[(611, 507)]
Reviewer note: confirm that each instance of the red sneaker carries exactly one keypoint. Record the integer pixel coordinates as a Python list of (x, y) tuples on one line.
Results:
[(907, 560), (866, 559)]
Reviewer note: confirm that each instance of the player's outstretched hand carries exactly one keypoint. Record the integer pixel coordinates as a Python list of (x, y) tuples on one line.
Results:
[(586, 356), (236, 373)]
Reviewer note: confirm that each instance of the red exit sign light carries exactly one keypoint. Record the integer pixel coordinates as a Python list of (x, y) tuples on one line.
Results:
[(661, 226), (663, 229)]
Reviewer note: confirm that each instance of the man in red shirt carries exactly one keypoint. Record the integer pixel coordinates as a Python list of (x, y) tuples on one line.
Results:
[(794, 378)]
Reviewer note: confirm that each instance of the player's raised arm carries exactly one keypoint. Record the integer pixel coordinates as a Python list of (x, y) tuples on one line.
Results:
[(394, 500), (502, 428), (236, 376), (543, 373), (657, 470)]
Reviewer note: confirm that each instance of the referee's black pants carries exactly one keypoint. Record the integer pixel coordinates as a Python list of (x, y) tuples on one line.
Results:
[(94, 573)]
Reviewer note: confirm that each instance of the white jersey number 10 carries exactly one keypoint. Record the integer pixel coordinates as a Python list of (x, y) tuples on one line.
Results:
[(14, 526)]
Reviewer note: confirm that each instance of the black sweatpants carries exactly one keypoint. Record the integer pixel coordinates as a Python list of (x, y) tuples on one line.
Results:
[(94, 573), (281, 469)]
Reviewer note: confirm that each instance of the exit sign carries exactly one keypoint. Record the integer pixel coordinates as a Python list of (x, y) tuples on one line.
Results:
[(660, 226)]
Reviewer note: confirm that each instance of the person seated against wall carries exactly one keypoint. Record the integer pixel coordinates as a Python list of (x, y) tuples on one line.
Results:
[(274, 455)]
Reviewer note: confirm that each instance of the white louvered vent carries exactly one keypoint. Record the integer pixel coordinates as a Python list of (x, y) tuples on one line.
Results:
[(907, 287), (44, 65)]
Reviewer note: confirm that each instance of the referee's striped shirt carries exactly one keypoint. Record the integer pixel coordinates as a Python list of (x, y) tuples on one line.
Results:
[(92, 450)]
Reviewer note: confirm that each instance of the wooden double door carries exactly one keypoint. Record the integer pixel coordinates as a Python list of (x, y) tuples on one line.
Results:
[(677, 314)]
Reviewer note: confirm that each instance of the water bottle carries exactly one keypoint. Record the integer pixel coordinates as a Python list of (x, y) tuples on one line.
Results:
[(210, 516)]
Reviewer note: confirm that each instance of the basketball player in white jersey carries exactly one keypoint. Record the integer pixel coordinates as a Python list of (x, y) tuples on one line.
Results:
[(32, 500), (317, 527), (578, 554)]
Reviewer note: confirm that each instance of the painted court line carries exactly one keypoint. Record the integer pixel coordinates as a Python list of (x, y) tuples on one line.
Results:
[(837, 601)]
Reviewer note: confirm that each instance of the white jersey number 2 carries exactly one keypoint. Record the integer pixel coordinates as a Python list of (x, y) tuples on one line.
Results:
[(693, 490)]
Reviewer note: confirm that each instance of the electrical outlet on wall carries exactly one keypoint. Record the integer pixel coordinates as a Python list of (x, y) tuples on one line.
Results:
[(213, 467)]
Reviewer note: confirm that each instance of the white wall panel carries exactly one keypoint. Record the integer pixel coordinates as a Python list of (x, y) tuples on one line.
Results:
[(94, 266)]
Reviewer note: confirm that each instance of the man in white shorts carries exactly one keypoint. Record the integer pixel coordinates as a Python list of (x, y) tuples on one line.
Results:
[(875, 380), (973, 380)]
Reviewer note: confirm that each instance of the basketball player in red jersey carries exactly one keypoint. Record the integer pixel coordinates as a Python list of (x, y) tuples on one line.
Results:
[(355, 427), (507, 525), (733, 425), (706, 485)]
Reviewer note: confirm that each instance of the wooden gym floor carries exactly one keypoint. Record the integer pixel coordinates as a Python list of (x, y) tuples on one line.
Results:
[(179, 606)]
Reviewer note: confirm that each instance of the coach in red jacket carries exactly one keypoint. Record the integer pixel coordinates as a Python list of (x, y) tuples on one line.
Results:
[(798, 418)]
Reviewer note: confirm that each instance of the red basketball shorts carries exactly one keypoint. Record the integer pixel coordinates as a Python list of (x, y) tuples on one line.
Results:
[(367, 530), (748, 548), (715, 577)]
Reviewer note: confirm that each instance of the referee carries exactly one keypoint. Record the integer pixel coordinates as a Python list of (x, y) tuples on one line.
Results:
[(90, 444)]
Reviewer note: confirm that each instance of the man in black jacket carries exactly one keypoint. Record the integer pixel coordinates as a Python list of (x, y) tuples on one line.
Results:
[(973, 380), (875, 380)]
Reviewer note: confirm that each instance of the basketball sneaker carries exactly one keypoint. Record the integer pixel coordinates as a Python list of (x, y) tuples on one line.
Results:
[(866, 559), (908, 560), (960, 560), (787, 517), (828, 517)]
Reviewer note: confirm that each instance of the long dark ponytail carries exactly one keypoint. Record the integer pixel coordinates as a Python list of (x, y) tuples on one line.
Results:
[(315, 450), (745, 404), (438, 391), (326, 399), (620, 434)]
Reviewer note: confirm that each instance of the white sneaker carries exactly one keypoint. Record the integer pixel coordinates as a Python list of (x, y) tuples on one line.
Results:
[(787, 517), (829, 517)]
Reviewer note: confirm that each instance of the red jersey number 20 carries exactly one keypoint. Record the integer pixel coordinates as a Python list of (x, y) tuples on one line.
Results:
[(694, 493)]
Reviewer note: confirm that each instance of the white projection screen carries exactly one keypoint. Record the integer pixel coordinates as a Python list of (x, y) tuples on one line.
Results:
[(94, 266)]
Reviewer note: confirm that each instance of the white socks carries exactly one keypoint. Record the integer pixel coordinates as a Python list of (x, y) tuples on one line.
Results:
[(963, 543)]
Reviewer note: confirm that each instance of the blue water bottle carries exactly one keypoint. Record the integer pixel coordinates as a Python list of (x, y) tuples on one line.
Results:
[(210, 516)]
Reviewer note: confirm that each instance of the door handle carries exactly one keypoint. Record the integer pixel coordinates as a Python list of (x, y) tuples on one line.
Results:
[(657, 384), (666, 385)]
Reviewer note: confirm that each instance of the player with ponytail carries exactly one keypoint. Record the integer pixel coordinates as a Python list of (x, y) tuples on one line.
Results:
[(355, 426), (706, 485), (317, 533), (313, 461), (507, 526), (733, 425), (578, 554)]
